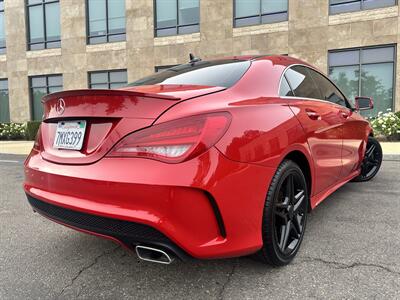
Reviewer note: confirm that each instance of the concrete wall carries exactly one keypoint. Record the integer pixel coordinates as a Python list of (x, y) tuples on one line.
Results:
[(308, 34)]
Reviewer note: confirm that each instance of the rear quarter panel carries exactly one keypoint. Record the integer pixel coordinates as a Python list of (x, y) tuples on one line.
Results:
[(263, 128)]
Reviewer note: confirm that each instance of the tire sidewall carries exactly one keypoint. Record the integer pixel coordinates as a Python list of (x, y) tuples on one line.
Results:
[(269, 237)]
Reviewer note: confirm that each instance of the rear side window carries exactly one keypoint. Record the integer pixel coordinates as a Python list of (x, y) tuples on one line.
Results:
[(224, 73), (301, 82), (285, 89), (328, 90)]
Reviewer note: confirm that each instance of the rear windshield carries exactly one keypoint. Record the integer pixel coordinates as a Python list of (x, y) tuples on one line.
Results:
[(223, 73)]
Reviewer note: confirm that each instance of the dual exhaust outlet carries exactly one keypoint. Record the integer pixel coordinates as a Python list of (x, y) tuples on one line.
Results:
[(154, 255)]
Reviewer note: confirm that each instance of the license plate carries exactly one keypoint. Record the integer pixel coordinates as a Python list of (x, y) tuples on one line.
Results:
[(70, 135)]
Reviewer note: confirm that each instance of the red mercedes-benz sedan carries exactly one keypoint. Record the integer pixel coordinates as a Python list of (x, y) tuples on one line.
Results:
[(204, 160)]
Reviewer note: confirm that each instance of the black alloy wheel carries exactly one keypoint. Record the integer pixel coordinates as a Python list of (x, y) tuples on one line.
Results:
[(285, 215), (372, 160), (290, 214)]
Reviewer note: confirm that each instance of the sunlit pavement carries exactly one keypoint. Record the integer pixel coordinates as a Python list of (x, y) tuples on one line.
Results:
[(351, 250)]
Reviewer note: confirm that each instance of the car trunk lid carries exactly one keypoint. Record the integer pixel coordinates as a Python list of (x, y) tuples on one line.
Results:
[(109, 115)]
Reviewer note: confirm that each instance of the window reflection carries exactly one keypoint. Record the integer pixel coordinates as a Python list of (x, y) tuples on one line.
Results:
[(365, 72)]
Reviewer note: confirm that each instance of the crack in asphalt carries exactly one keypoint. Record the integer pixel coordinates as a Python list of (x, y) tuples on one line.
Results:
[(343, 266), (83, 269), (227, 281)]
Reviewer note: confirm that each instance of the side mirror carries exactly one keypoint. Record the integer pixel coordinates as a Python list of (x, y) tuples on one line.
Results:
[(364, 103)]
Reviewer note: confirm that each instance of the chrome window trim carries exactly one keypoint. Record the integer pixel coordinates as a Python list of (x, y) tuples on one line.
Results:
[(312, 99)]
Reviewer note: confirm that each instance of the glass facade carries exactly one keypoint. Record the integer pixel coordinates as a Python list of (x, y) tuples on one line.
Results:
[(365, 72), (341, 6), (107, 79), (2, 29), (4, 102), (39, 87), (162, 68), (252, 12), (174, 17), (43, 24), (106, 21)]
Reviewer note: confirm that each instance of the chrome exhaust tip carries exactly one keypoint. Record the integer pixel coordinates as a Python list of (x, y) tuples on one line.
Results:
[(154, 255)]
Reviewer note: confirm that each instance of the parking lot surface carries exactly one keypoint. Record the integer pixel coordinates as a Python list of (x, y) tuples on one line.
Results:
[(350, 250)]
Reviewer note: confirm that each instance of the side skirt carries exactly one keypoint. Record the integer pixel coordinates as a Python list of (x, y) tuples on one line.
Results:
[(317, 199)]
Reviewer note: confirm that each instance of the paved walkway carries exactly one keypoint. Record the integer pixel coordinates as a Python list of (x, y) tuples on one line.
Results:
[(24, 147), (16, 147)]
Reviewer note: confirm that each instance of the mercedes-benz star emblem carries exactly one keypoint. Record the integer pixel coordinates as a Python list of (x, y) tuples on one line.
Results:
[(60, 106)]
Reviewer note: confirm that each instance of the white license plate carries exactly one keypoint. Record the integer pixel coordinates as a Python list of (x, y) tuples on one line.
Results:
[(70, 135)]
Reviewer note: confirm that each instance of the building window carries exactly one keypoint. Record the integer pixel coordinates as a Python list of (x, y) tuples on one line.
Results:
[(162, 68), (365, 72), (107, 79), (2, 30), (341, 6), (174, 17), (4, 102), (39, 87), (106, 21), (253, 12), (44, 24)]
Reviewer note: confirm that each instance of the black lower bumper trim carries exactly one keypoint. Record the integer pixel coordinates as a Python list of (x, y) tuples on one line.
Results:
[(130, 233)]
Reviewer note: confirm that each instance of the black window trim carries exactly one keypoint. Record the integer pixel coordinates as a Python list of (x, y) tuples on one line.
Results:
[(3, 49), (43, 3), (305, 98), (177, 26), (108, 34), (108, 76), (7, 90), (260, 15), (160, 68), (354, 1), (47, 86), (394, 62)]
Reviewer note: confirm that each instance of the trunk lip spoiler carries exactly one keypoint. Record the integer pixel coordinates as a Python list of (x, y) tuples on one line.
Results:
[(104, 92)]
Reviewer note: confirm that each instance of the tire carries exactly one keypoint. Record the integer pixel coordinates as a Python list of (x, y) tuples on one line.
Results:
[(280, 209), (371, 162)]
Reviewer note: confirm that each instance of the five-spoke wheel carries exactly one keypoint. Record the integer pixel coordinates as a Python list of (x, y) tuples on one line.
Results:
[(290, 214), (372, 160), (285, 215)]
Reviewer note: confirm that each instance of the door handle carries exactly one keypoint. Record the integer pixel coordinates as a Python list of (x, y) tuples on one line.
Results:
[(312, 114)]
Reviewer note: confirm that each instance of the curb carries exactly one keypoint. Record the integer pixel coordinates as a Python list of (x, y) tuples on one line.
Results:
[(391, 157)]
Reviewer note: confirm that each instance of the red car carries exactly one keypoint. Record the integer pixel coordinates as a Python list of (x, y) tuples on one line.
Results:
[(205, 160)]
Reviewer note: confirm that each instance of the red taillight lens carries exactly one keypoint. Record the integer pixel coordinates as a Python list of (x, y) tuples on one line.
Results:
[(174, 141), (37, 145)]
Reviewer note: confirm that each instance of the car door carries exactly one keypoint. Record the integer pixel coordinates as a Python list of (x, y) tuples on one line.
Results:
[(322, 124), (353, 127)]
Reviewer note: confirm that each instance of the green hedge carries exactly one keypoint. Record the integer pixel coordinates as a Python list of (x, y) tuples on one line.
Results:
[(32, 128), (12, 131), (19, 131)]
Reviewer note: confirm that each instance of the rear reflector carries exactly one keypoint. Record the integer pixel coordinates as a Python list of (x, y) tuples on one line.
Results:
[(174, 141)]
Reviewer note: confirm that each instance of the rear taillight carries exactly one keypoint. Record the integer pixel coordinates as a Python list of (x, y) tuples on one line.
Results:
[(37, 145), (174, 141)]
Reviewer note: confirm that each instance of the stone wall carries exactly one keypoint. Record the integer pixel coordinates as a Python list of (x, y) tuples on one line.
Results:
[(308, 34)]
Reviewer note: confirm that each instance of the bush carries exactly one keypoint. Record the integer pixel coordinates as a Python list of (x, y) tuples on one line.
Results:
[(387, 124), (12, 131), (32, 128)]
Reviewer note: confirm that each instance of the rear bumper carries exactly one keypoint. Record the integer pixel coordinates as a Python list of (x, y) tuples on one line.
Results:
[(208, 207), (125, 232)]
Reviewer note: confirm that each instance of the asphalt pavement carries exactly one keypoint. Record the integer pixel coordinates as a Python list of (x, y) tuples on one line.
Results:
[(350, 250)]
